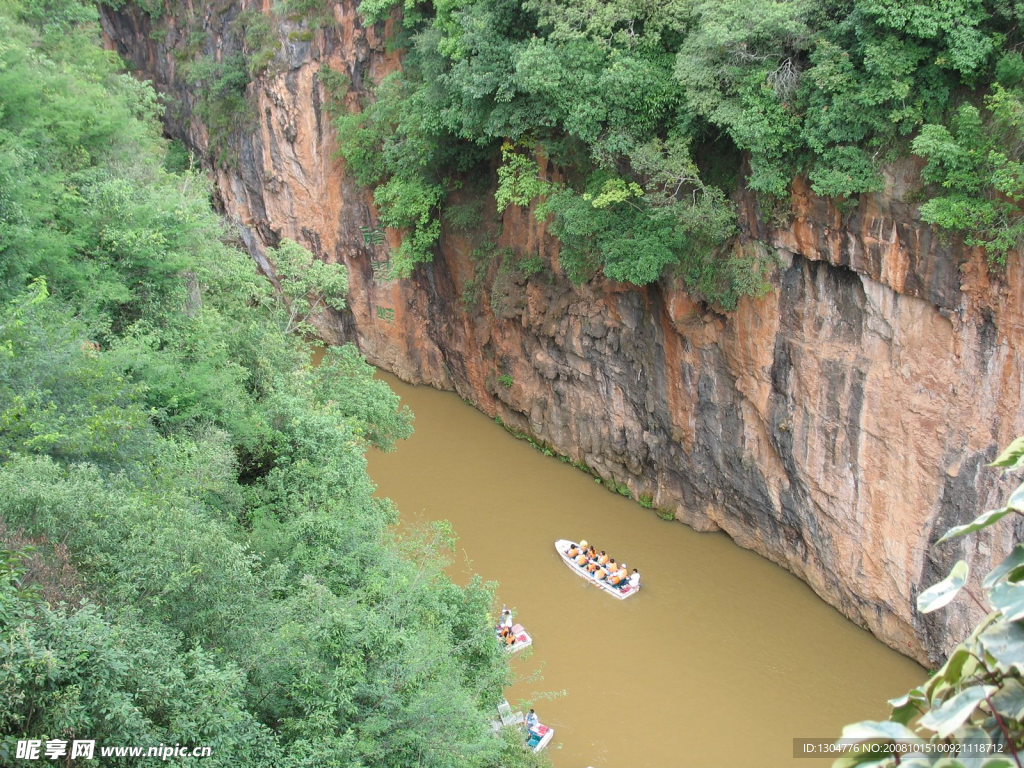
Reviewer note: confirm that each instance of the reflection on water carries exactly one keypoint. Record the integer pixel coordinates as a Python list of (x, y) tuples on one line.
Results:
[(721, 660)]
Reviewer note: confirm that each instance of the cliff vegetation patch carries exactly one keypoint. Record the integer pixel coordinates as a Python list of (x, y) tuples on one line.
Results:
[(617, 96)]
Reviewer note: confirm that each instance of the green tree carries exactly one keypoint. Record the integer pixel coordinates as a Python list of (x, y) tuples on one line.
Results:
[(307, 284), (159, 417)]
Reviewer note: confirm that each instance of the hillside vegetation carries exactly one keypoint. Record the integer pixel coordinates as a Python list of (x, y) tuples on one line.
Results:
[(191, 549)]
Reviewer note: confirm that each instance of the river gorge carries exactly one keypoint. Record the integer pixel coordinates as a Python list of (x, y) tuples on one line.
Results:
[(328, 326), (836, 425), (722, 658)]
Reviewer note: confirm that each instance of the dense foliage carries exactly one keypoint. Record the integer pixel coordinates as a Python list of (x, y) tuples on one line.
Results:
[(648, 109), (971, 711), (190, 547)]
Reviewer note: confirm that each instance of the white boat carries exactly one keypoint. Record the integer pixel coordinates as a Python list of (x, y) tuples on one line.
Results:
[(620, 592), (536, 738), (523, 639), (539, 737)]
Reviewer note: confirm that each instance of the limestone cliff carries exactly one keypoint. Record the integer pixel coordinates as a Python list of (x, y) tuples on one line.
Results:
[(836, 426)]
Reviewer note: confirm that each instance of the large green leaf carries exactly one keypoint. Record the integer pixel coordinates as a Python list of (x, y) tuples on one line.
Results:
[(912, 695), (1012, 457), (1016, 501), (979, 740), (982, 521), (1008, 598), (872, 730), (939, 595), (998, 762), (1013, 561), (907, 707), (949, 674), (866, 730), (1009, 700), (1004, 641), (955, 712)]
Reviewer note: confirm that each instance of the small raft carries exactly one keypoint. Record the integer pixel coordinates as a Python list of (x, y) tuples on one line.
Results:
[(620, 592), (539, 737), (536, 738), (523, 639)]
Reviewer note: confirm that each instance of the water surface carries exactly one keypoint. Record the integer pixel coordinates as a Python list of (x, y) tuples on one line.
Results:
[(722, 659)]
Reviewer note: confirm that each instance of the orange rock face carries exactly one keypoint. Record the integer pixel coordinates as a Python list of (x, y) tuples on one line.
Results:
[(837, 425)]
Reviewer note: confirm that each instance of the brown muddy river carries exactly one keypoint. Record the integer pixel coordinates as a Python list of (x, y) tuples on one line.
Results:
[(722, 659)]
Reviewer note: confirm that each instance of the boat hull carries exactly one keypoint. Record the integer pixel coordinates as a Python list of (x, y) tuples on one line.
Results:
[(620, 594), (545, 733)]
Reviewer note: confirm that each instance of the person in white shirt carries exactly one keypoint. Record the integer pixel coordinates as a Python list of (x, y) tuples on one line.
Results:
[(634, 579), (506, 619), (532, 721)]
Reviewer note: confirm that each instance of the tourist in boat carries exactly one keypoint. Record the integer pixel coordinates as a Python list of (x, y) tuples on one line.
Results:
[(634, 579), (602, 559), (581, 559), (600, 573), (573, 551), (591, 567), (532, 721), (618, 577), (612, 567), (504, 619), (583, 545)]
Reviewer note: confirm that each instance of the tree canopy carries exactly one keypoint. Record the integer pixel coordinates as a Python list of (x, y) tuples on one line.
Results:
[(191, 550)]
